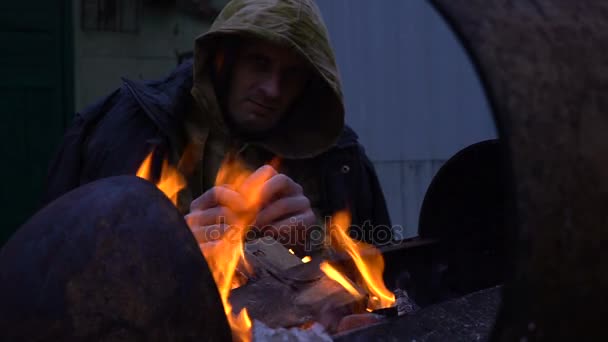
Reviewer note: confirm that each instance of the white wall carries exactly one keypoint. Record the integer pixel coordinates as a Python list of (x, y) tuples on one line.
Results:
[(411, 93)]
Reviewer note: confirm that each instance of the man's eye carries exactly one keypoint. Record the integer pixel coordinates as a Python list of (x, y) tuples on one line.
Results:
[(296, 74), (259, 63)]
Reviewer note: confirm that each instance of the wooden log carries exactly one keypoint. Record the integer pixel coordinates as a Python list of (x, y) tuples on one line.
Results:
[(268, 255), (297, 296)]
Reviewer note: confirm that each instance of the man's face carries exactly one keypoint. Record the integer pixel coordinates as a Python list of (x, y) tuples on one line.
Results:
[(266, 80)]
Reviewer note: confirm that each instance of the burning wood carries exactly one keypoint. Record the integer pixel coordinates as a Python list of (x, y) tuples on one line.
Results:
[(370, 268), (339, 278), (264, 279), (297, 297), (269, 255)]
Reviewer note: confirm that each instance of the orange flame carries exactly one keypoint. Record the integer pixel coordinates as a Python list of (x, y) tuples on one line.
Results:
[(224, 255), (336, 276), (171, 181), (370, 267)]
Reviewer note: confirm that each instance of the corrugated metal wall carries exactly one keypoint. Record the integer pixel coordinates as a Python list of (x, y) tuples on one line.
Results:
[(411, 94)]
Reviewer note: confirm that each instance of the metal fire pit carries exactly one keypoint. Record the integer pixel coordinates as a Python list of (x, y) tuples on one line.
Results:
[(108, 268), (544, 65), (112, 261)]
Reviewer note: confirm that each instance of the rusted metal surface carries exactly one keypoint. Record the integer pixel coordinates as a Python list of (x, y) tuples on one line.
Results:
[(113, 261), (545, 68), (469, 318), (466, 195), (465, 209)]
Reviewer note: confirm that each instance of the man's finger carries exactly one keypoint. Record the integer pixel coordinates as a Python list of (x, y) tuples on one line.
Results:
[(204, 234), (215, 215), (254, 182), (282, 208), (277, 187), (219, 196)]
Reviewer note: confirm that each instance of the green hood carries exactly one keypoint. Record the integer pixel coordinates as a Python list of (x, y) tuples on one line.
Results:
[(317, 119)]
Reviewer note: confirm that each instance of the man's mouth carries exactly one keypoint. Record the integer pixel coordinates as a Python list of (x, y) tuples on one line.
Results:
[(262, 109)]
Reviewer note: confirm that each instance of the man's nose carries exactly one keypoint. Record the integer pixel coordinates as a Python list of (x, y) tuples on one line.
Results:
[(271, 86)]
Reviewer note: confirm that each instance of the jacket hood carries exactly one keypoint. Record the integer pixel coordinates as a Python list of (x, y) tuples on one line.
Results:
[(317, 118)]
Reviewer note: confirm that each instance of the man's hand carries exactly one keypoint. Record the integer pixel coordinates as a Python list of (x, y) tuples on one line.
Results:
[(213, 212), (282, 209), (285, 211)]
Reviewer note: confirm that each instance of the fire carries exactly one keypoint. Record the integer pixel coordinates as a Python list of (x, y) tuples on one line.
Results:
[(370, 267), (171, 181), (225, 255), (336, 276)]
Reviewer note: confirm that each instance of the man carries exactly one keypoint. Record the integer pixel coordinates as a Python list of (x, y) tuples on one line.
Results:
[(263, 86)]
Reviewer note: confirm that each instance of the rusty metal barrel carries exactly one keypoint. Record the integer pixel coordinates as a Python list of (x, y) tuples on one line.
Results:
[(114, 261), (544, 65)]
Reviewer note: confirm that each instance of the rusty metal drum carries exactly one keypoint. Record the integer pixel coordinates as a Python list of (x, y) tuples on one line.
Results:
[(112, 260), (544, 65)]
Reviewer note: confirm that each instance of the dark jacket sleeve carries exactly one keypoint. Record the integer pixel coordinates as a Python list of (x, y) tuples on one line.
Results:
[(378, 210), (372, 220), (109, 138), (351, 183)]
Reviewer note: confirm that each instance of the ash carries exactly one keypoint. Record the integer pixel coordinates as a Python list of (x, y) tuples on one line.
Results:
[(405, 304), (261, 332)]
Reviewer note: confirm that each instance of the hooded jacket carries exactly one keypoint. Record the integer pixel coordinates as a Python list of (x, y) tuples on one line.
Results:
[(176, 117)]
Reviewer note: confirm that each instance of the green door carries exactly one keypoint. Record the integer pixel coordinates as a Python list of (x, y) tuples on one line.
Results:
[(35, 100)]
